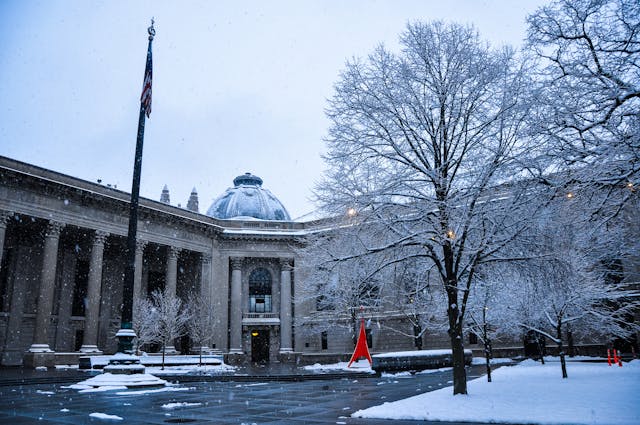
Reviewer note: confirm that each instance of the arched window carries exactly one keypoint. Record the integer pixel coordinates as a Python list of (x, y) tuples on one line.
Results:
[(260, 291)]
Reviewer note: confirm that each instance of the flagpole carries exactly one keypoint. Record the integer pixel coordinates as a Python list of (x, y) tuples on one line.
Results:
[(126, 334)]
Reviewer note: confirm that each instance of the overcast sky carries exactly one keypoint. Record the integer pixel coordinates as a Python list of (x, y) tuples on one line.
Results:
[(237, 86)]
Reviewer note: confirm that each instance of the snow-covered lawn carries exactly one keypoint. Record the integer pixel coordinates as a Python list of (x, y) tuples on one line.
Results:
[(530, 392)]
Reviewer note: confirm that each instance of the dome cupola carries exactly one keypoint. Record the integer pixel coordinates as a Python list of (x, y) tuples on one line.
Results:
[(248, 199)]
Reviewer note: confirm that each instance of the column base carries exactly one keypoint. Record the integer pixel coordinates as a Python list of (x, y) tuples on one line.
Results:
[(39, 359), (90, 349), (124, 364), (290, 357), (40, 348), (235, 358)]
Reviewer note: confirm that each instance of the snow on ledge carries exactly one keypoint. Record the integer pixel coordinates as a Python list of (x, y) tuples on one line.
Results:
[(417, 353)]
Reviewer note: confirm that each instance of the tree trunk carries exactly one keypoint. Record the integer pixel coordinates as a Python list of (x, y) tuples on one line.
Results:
[(459, 372), (563, 362), (457, 345), (487, 343), (200, 360), (163, 349)]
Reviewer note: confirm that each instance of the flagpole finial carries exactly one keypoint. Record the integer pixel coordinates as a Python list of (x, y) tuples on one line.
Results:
[(151, 30)]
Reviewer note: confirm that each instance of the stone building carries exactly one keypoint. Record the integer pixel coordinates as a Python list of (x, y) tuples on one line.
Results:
[(62, 247), (63, 242)]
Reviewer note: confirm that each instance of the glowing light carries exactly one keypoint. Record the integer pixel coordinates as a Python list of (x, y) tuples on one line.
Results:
[(451, 234), (254, 333), (570, 195), (351, 212)]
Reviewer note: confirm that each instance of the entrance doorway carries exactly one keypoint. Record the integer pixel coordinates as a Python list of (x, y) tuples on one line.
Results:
[(259, 346)]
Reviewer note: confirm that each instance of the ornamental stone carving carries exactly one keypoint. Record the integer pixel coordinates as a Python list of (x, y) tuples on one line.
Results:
[(285, 264), (236, 263), (53, 229), (100, 237)]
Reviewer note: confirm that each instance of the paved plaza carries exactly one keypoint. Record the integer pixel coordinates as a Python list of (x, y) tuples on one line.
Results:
[(260, 396)]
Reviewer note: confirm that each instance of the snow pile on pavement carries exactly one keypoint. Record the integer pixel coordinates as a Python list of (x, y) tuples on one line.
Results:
[(361, 365), (530, 392), (177, 405), (110, 381), (98, 415)]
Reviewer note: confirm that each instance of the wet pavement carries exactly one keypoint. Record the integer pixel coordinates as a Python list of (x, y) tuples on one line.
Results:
[(263, 395)]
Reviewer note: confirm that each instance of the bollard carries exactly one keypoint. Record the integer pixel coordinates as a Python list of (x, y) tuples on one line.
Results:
[(609, 356), (619, 359)]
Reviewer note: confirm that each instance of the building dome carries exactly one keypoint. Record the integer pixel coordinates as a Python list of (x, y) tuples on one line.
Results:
[(248, 199)]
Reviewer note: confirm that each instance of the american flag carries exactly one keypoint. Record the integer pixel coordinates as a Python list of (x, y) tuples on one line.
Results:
[(145, 98)]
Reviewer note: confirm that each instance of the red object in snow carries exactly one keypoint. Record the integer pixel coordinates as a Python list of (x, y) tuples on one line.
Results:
[(362, 350), (609, 356)]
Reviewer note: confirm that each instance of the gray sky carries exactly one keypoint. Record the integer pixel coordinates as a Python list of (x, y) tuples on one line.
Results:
[(237, 86)]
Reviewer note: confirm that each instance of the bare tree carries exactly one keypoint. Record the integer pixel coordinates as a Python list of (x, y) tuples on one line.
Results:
[(566, 286), (171, 318), (590, 95), (488, 303), (427, 144), (201, 321), (145, 322), (337, 289)]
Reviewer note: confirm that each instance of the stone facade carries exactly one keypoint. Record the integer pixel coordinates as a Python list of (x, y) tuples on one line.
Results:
[(63, 245)]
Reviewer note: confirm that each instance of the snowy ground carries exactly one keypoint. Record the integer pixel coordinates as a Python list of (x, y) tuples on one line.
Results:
[(361, 365), (530, 392)]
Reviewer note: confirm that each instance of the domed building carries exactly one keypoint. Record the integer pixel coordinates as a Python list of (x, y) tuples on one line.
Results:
[(246, 200)]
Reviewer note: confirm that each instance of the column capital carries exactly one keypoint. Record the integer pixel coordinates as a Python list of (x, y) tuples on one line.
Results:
[(4, 217), (100, 237), (53, 229), (236, 262), (173, 252), (205, 257), (285, 264), (140, 245)]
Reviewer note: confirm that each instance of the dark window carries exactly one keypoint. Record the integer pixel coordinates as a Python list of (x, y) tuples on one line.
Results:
[(5, 297), (473, 338), (80, 288), (155, 282), (324, 340), (260, 291), (79, 336), (369, 338)]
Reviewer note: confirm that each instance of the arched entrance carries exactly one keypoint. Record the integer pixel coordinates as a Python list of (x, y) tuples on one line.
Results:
[(259, 346)]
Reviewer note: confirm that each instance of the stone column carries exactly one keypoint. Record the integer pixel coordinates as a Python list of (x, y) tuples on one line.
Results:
[(235, 313), (286, 344), (137, 275), (205, 276), (45, 292), (171, 276), (4, 217), (171, 283), (92, 313), (205, 289)]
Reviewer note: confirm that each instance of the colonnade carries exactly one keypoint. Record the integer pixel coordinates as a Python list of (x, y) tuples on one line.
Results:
[(46, 287)]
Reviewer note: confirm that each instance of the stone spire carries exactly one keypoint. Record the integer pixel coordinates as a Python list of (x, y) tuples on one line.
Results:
[(192, 204), (164, 197)]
